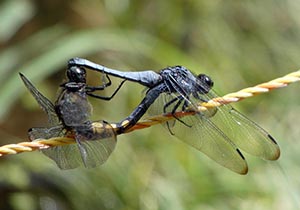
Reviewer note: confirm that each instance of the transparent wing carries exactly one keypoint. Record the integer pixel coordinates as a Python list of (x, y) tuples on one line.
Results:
[(246, 134), (201, 133), (45, 133), (46, 105), (66, 156), (89, 151), (218, 131), (96, 148)]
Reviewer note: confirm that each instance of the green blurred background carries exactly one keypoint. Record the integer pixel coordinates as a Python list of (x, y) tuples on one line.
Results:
[(237, 43)]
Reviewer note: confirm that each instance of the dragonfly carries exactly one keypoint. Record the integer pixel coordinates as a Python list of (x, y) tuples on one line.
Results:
[(220, 133), (69, 117)]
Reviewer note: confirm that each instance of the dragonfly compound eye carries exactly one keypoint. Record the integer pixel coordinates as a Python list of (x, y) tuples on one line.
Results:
[(76, 74), (205, 82)]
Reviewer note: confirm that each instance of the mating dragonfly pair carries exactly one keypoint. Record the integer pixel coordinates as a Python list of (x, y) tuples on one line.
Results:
[(218, 132)]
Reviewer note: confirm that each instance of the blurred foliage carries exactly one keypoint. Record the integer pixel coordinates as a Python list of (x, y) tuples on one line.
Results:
[(237, 43)]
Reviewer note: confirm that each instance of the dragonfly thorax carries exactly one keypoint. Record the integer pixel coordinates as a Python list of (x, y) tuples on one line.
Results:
[(180, 79)]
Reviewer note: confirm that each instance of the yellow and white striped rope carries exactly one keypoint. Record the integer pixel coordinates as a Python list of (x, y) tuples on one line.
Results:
[(226, 99)]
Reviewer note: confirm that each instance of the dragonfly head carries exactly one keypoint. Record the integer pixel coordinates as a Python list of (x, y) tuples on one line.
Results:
[(205, 83), (76, 74)]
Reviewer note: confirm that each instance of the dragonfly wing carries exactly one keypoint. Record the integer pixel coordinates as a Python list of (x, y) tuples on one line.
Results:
[(88, 152), (46, 105), (96, 152), (246, 134), (205, 136), (97, 148), (201, 133), (45, 133), (66, 156)]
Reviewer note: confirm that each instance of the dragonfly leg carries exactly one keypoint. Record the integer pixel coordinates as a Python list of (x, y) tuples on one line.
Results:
[(101, 87), (184, 106), (170, 103), (165, 111), (179, 101), (106, 98), (176, 107)]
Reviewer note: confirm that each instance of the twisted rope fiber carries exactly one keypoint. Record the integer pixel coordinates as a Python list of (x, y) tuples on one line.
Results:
[(215, 102)]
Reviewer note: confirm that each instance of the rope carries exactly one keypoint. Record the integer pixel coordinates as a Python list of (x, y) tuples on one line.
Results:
[(215, 102)]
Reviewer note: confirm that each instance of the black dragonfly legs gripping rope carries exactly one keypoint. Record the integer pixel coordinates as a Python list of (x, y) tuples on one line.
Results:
[(218, 132), (177, 81), (69, 116)]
